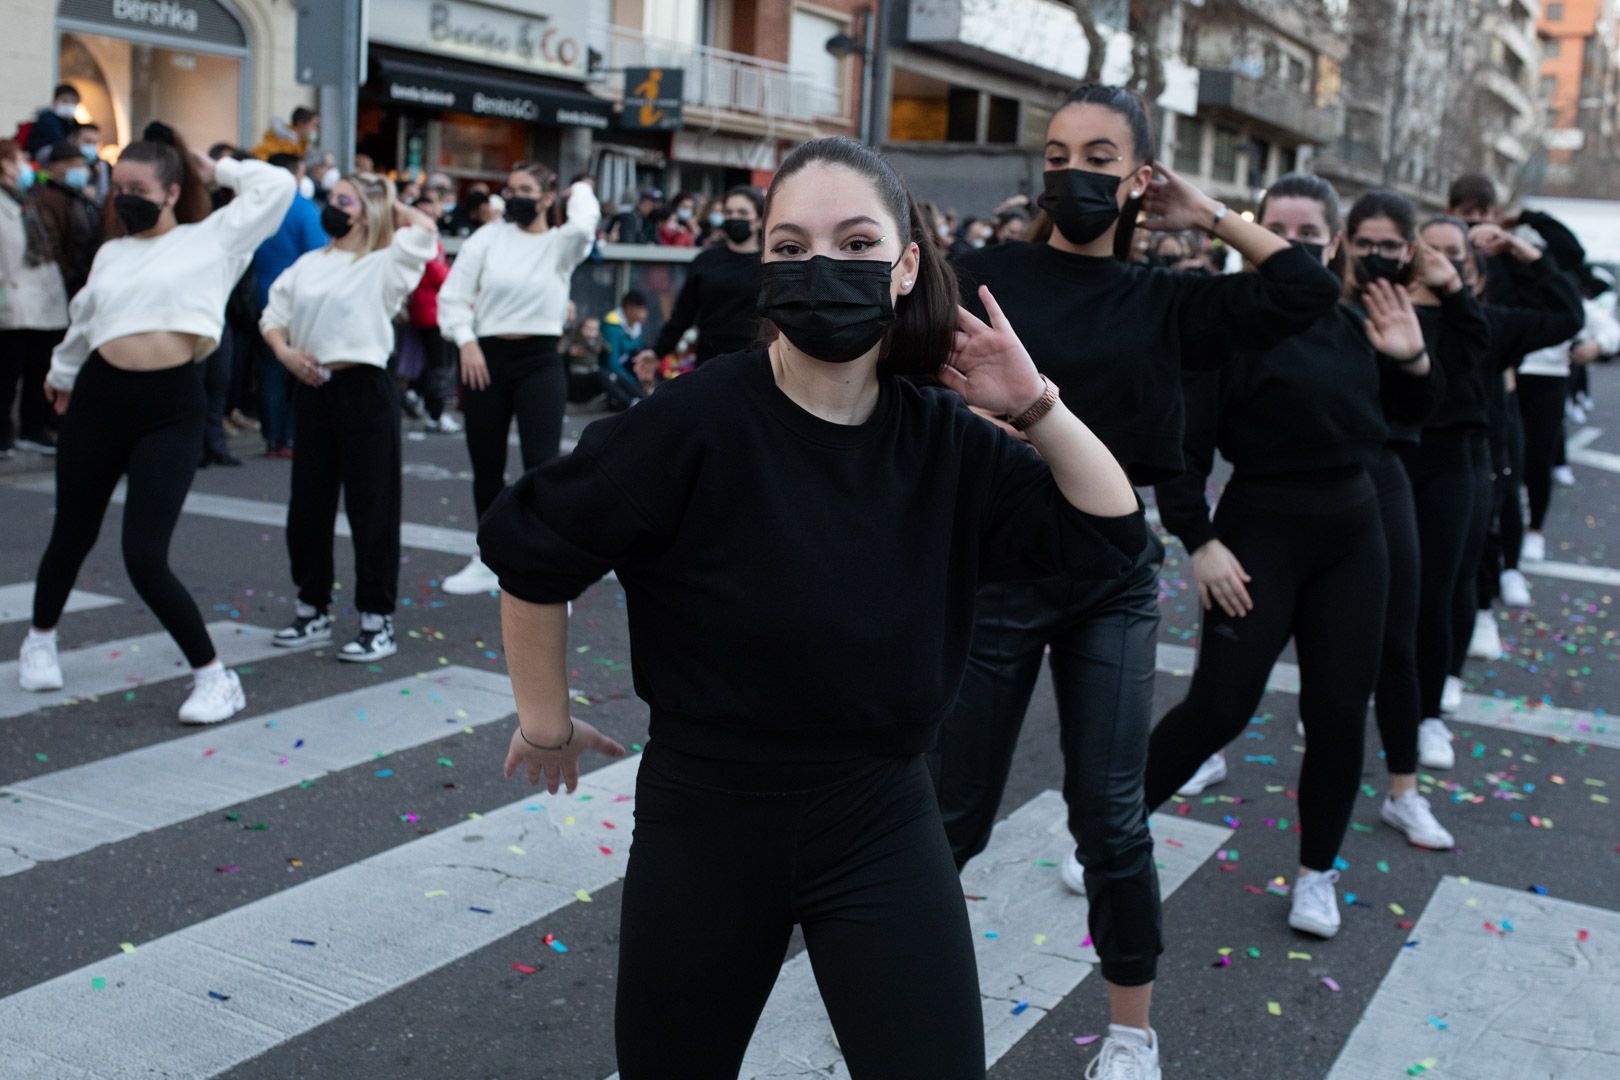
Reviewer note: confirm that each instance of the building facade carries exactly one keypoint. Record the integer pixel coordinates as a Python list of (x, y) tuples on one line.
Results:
[(1579, 76)]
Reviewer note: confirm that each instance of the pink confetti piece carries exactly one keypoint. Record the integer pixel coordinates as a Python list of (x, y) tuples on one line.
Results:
[(1086, 944), (1085, 1040), (1327, 981), (525, 968), (226, 869), (1582, 935)]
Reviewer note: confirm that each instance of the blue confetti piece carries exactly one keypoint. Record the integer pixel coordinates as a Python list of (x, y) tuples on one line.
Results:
[(1349, 897), (559, 946), (481, 910), (1019, 1008), (383, 773), (1538, 890), (1439, 1024), (991, 934), (217, 996), (302, 941), (1507, 925), (1340, 864), (297, 744)]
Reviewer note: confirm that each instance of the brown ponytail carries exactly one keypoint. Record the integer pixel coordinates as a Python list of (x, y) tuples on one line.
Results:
[(163, 148), (1145, 148), (548, 180)]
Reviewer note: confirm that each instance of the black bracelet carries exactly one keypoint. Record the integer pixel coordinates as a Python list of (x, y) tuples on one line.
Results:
[(537, 746), (1420, 356)]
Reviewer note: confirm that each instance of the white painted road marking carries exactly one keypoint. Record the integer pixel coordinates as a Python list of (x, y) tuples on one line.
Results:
[(373, 926), (130, 663), (1533, 1001), (1595, 575), (1021, 900), (1546, 721), (70, 811), (17, 602)]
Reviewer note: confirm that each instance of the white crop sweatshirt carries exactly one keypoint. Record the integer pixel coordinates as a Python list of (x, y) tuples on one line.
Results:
[(177, 282), (508, 281), (339, 308), (1554, 360)]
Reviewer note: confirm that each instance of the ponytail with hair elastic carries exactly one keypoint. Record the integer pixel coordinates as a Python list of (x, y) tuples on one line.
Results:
[(163, 148), (1144, 149)]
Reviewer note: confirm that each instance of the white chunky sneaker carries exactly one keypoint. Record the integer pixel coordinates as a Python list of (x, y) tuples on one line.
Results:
[(1211, 772), (1124, 1056), (1073, 874), (1486, 643), (1563, 474), (215, 696), (1451, 695), (1515, 589), (1434, 745), (1411, 814), (472, 579), (37, 665), (1534, 547), (444, 425), (1316, 904)]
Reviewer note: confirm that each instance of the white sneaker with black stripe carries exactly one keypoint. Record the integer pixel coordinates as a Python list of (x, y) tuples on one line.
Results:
[(308, 626), (375, 642)]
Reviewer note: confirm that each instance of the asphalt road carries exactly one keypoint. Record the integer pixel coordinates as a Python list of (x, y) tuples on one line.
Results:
[(1528, 810)]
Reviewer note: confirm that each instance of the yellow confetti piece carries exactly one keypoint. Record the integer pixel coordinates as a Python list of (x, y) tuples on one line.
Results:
[(582, 896), (127, 947), (1464, 880), (581, 699), (1273, 1008), (1595, 797), (1589, 782), (1040, 939), (514, 849), (1225, 952), (569, 820), (466, 731), (436, 892), (1299, 956), (1397, 909), (1472, 901)]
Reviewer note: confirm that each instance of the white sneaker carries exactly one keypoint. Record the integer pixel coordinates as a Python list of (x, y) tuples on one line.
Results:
[(1073, 875), (1124, 1056), (1451, 695), (1411, 814), (1534, 547), (1486, 643), (1515, 589), (1434, 745), (472, 579), (374, 643), (215, 696), (1563, 474), (444, 425), (37, 665), (1316, 903), (1211, 772)]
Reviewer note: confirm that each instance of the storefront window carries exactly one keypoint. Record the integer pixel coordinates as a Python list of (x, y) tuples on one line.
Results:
[(124, 86), (481, 146)]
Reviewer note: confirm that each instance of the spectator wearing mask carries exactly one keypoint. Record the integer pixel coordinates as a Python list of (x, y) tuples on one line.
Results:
[(680, 229), (585, 352), (1011, 225), (53, 124), (292, 137), (300, 232), (976, 232), (640, 224), (622, 330), (443, 191), (89, 140), (69, 217), (33, 306)]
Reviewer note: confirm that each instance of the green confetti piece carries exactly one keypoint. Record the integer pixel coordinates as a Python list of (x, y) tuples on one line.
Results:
[(447, 763), (1254, 953), (233, 816), (1044, 862), (98, 983), (1383, 867), (41, 757), (1359, 827), (1369, 791)]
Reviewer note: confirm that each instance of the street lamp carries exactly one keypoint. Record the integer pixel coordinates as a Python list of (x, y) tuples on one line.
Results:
[(844, 46)]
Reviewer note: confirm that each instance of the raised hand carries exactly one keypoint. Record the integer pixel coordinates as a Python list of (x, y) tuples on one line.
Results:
[(1392, 323), (1172, 204), (1435, 271), (989, 367)]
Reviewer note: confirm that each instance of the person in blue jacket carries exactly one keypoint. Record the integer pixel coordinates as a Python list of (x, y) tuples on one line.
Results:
[(622, 330), (300, 232)]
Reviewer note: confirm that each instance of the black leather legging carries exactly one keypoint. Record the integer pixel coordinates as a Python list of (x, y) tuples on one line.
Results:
[(1102, 637)]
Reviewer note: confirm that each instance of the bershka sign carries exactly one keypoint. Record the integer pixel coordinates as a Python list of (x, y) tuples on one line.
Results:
[(544, 36), (198, 22), (158, 14)]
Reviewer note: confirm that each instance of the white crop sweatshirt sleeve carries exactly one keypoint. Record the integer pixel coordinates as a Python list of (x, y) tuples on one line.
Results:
[(177, 282), (583, 214), (460, 289)]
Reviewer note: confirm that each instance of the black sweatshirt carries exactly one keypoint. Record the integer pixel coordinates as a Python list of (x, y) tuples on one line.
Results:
[(1547, 311), (1311, 409), (1459, 342), (718, 298), (798, 590), (1116, 336)]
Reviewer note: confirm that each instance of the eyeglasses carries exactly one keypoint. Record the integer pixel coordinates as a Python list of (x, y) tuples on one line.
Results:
[(1390, 249)]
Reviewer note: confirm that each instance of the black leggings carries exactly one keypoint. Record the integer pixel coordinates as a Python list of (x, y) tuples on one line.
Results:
[(348, 438), (1399, 704), (1442, 473), (1321, 578), (727, 857), (1506, 535), (527, 379), (1102, 638), (145, 425), (1541, 404), (1465, 593), (25, 357)]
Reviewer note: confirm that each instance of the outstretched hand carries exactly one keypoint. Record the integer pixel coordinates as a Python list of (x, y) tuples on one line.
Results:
[(1392, 323), (559, 767), (989, 367)]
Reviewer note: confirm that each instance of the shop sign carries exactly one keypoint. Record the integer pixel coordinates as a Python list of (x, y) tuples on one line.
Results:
[(442, 85), (652, 99), (203, 21), (548, 37)]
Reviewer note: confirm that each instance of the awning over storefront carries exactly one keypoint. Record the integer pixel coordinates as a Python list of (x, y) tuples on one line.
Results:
[(442, 84)]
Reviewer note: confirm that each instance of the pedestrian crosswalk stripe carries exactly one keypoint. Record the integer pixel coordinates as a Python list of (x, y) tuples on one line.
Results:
[(130, 663), (375, 925), (1595, 575), (1022, 897), (1501, 984), (70, 811), (17, 602), (1510, 714)]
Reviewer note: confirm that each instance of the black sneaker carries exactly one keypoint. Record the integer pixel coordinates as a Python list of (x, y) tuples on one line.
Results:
[(304, 629), (371, 644)]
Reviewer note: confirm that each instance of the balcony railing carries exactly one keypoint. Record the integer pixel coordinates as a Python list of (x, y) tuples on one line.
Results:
[(723, 81), (1271, 103)]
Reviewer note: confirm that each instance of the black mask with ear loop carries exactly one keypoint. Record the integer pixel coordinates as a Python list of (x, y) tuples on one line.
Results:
[(831, 309), (1081, 203), (135, 214)]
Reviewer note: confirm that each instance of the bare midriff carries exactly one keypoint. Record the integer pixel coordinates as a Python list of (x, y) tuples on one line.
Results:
[(158, 350)]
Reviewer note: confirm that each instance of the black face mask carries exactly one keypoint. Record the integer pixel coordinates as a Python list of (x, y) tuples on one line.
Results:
[(737, 230), (831, 309), (1314, 250), (136, 214), (335, 221), (1461, 267), (1080, 203), (1376, 267), (521, 211)]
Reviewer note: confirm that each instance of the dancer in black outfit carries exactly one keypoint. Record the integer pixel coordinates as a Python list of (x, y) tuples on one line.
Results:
[(722, 284), (1296, 548), (801, 584), (1123, 333)]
